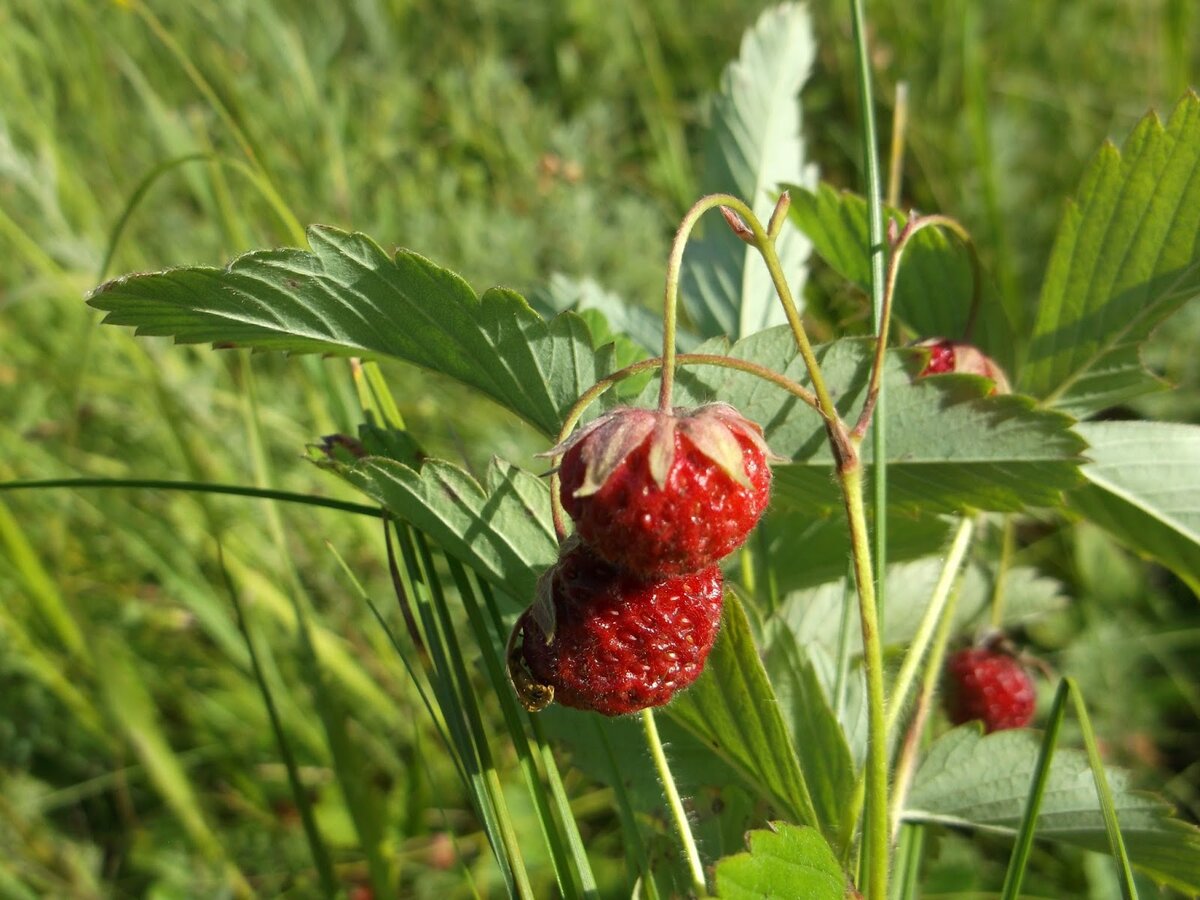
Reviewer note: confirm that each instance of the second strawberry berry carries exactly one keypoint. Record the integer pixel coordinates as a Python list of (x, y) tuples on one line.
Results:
[(619, 644), (990, 685), (661, 494)]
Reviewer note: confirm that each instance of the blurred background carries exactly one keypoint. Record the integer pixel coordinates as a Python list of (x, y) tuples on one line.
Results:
[(508, 141)]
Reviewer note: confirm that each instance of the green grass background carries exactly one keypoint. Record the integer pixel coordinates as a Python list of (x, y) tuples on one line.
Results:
[(506, 140)]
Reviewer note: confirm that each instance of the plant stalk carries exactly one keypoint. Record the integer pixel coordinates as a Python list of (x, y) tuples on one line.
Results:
[(695, 866), (875, 838)]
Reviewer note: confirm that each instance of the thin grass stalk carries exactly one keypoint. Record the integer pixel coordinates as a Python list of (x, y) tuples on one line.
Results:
[(451, 702), (1019, 861), (361, 802), (1107, 805), (477, 731), (573, 873), (558, 793), (312, 834)]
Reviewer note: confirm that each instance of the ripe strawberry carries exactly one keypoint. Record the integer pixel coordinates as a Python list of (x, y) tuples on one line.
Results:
[(619, 644), (665, 493), (956, 356), (990, 685)]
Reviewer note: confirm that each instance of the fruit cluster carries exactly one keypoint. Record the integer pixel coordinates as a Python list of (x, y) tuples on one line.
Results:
[(628, 614)]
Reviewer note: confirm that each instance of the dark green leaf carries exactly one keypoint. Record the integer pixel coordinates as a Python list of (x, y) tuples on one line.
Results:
[(934, 288), (816, 734), (347, 297), (733, 710)]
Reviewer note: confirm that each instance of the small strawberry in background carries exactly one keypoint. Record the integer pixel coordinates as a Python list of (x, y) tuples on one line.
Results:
[(991, 685), (946, 356)]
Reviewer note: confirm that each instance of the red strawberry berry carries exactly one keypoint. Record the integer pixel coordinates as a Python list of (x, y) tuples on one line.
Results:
[(666, 493), (619, 644), (990, 685), (956, 356)]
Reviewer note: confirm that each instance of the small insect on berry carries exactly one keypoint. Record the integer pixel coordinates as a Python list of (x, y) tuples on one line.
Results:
[(602, 639), (660, 493), (989, 685), (957, 356)]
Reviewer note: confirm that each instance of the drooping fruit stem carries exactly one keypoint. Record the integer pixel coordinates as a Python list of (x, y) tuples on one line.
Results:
[(695, 866)]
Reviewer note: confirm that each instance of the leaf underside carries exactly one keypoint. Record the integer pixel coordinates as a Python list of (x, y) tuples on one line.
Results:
[(754, 144), (1143, 485), (967, 779), (347, 297)]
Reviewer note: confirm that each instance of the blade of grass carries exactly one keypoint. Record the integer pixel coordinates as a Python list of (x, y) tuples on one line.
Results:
[(1019, 860), (316, 844), (571, 866), (361, 798), (451, 701), (197, 487), (478, 733)]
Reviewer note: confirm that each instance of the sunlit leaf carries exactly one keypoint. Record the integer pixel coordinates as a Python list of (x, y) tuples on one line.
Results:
[(1126, 256), (969, 780), (347, 297), (754, 143), (787, 860)]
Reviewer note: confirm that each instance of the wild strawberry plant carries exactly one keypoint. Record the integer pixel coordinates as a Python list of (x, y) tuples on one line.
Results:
[(814, 724)]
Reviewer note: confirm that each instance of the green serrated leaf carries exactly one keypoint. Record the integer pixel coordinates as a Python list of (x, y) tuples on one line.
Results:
[(1126, 256), (502, 529), (787, 861), (754, 143), (935, 284), (970, 780), (732, 709), (1144, 488), (950, 447), (347, 297), (816, 734)]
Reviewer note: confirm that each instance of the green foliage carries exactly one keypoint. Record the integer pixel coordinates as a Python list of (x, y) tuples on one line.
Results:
[(935, 287), (787, 855), (1125, 258), (970, 780), (347, 297), (753, 144), (1143, 486)]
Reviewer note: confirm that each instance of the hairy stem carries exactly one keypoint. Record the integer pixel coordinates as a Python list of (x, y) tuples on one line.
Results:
[(677, 811), (875, 839)]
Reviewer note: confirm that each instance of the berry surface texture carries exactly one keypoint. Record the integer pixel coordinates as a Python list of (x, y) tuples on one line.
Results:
[(660, 493), (990, 686), (620, 643)]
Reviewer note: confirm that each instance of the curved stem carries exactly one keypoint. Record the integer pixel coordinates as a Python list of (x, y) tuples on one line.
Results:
[(915, 225), (695, 866), (671, 292), (938, 606)]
